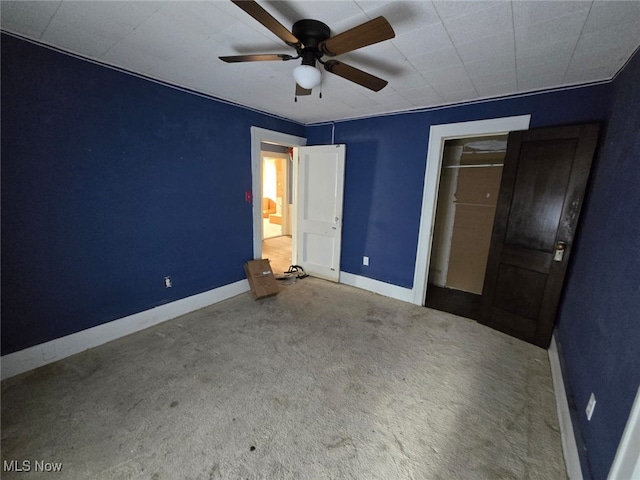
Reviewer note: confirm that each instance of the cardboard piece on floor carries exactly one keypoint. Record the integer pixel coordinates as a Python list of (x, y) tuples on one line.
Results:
[(261, 279)]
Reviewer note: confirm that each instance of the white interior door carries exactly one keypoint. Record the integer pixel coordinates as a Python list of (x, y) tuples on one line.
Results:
[(320, 186)]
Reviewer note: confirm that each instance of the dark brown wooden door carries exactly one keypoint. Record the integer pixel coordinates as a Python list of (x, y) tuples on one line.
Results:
[(542, 190)]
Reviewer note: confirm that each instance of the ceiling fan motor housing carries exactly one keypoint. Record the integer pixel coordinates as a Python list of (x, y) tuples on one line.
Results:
[(310, 33)]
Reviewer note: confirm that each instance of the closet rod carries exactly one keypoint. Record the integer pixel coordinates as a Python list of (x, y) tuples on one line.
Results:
[(475, 166)]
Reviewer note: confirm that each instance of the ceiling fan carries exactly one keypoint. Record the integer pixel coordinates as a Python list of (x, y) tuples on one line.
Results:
[(312, 41)]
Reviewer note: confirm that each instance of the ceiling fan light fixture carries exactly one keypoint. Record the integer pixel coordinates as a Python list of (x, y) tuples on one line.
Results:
[(307, 76)]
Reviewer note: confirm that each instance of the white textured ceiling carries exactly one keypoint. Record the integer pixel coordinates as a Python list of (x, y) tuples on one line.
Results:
[(443, 53)]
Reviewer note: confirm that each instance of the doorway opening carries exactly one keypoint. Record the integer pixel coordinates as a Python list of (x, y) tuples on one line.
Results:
[(261, 140), (438, 134), (277, 205), (465, 209)]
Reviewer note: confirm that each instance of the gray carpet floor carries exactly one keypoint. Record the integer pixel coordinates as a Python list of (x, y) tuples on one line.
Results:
[(322, 381)]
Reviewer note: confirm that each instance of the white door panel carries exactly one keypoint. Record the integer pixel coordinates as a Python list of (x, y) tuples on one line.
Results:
[(319, 209)]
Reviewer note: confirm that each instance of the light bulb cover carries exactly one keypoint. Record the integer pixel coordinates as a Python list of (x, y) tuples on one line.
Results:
[(307, 76)]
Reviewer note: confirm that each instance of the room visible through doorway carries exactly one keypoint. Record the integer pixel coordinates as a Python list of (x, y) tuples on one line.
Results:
[(467, 196), (277, 205)]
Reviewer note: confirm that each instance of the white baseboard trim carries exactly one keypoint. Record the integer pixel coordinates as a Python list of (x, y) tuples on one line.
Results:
[(48, 352), (569, 447), (382, 288)]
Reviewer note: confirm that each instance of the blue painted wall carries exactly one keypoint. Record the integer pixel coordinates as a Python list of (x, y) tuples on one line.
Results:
[(599, 322), (386, 160), (109, 183)]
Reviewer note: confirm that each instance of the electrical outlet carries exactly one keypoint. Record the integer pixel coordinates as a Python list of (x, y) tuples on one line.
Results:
[(590, 406), (167, 282), (365, 261)]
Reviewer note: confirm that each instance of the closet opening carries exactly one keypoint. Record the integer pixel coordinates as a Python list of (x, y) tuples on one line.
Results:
[(467, 198)]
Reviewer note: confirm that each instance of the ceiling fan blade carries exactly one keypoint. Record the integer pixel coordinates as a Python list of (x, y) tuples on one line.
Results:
[(263, 57), (265, 18), (355, 75), (368, 33), (302, 91)]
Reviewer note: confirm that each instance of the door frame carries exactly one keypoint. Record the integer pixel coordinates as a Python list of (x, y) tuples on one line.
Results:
[(438, 134), (626, 463), (258, 136)]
